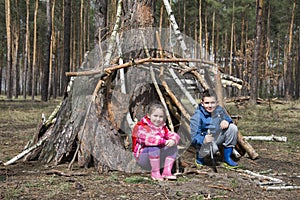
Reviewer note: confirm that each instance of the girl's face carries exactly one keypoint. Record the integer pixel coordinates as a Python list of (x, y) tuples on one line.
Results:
[(209, 104), (157, 117)]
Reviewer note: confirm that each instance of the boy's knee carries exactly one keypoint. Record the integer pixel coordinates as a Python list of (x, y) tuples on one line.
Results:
[(233, 128)]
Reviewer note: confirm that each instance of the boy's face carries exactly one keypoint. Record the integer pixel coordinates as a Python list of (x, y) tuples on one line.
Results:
[(209, 104)]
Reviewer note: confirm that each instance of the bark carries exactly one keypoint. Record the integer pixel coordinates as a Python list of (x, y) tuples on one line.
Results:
[(15, 53), (100, 18), (66, 39), (46, 67), (34, 58), (200, 28), (288, 71), (254, 78), (52, 83), (9, 49), (27, 53)]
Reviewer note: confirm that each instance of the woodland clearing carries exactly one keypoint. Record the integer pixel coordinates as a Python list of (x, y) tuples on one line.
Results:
[(278, 160)]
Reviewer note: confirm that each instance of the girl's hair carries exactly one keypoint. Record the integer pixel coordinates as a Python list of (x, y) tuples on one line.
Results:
[(209, 93), (156, 105)]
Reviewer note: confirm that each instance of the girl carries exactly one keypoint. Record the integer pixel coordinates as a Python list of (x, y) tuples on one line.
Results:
[(155, 143)]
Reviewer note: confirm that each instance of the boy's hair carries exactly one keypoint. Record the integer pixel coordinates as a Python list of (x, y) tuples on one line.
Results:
[(156, 105), (209, 93)]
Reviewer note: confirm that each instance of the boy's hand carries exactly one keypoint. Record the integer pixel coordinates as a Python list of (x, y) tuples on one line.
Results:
[(170, 143), (208, 138), (224, 124)]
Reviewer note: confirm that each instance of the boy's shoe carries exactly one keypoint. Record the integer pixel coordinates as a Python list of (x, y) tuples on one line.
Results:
[(199, 162), (227, 166)]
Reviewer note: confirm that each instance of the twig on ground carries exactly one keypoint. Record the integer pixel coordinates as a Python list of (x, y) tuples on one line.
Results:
[(221, 187), (60, 173)]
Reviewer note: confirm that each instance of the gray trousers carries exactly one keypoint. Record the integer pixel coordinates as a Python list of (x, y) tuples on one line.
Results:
[(227, 138)]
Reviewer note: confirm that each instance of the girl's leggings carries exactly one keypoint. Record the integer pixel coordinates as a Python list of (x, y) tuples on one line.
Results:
[(156, 152)]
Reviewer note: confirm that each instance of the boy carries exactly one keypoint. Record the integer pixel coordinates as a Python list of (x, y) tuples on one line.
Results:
[(211, 125)]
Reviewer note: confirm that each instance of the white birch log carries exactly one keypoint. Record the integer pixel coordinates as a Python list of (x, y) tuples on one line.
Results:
[(28, 150), (267, 138), (183, 89), (288, 187), (114, 34), (262, 177), (176, 30)]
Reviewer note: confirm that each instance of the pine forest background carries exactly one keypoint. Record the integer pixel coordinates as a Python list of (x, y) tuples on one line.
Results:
[(257, 41)]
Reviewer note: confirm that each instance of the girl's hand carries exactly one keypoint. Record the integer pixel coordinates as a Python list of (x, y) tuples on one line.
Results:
[(224, 124), (170, 143)]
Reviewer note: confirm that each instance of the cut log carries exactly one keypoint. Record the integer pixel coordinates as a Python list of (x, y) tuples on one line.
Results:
[(246, 146)]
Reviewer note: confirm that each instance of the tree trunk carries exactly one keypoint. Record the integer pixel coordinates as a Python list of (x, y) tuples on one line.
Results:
[(51, 87), (15, 53), (288, 66), (9, 77), (67, 36), (46, 67), (254, 78), (200, 28), (297, 72), (100, 18), (34, 58), (27, 52)]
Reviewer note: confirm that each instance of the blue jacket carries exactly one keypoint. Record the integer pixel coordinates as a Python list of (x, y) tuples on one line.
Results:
[(202, 120)]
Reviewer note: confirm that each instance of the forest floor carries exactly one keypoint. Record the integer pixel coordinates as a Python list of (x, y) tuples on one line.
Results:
[(277, 160)]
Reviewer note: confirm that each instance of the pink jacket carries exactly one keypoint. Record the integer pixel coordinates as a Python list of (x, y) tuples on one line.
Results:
[(150, 135)]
